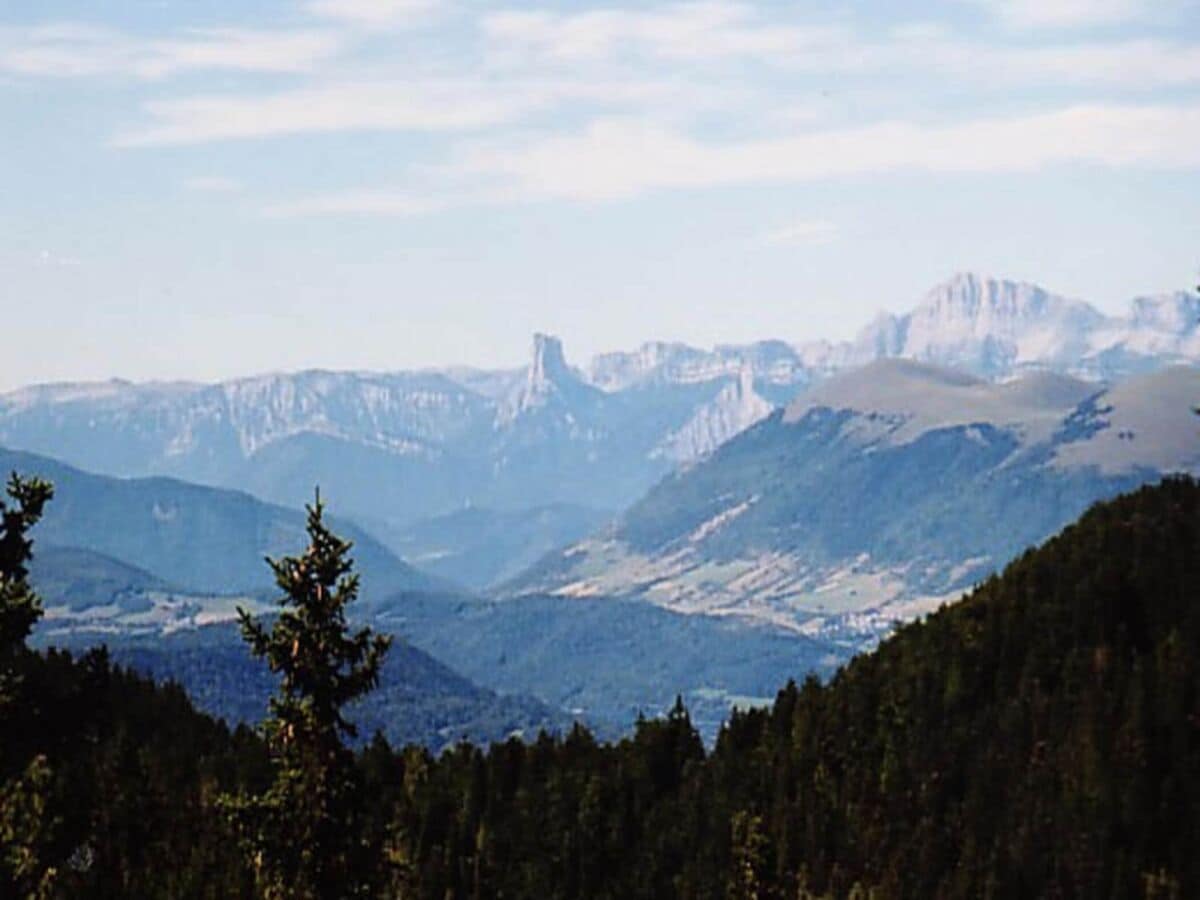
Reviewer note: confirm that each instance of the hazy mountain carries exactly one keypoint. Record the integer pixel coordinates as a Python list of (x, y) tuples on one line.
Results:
[(996, 329), (391, 448), (199, 540), (880, 491), (478, 547), (773, 363), (395, 448), (992, 328), (419, 700), (608, 659), (733, 410)]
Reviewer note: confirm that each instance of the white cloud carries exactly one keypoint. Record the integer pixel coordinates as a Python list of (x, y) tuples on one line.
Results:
[(374, 13), (65, 50), (407, 105), (1131, 65), (339, 107), (69, 50), (614, 159), (249, 51), (810, 231), (618, 159), (1066, 13), (212, 184), (703, 30), (716, 31)]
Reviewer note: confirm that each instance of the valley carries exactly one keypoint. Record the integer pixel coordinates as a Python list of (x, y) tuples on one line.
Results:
[(604, 537)]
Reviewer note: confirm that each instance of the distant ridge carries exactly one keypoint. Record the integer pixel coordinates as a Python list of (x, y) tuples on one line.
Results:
[(399, 447), (879, 493), (186, 537)]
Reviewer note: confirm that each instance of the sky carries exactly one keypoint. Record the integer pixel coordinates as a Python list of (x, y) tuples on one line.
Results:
[(199, 190)]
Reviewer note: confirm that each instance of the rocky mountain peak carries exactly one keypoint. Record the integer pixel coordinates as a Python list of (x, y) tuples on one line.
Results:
[(1177, 313), (969, 295), (987, 326), (548, 380), (548, 365)]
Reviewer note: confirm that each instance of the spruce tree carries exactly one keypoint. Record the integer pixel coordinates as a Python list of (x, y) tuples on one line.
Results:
[(303, 834), (24, 824), (20, 607)]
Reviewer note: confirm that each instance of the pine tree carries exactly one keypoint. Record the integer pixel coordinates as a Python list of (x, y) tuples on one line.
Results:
[(20, 607), (303, 835), (748, 845), (24, 824)]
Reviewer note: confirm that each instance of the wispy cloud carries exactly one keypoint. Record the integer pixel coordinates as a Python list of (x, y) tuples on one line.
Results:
[(618, 159), (614, 159), (703, 30), (70, 50), (418, 105), (710, 32), (250, 51), (604, 103), (394, 106), (1066, 13), (375, 13)]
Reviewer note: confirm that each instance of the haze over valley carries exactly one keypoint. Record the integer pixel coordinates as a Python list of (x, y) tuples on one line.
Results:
[(792, 502)]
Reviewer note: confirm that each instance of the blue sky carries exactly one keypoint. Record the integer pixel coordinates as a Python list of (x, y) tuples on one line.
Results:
[(199, 190)]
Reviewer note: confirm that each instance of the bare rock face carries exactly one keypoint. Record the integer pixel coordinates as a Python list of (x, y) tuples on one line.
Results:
[(733, 410), (548, 380), (989, 327)]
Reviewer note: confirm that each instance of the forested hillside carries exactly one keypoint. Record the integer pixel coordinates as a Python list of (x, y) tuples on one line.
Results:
[(1041, 737)]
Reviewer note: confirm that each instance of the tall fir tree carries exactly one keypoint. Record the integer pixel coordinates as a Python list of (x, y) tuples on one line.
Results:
[(303, 835), (24, 822), (20, 607)]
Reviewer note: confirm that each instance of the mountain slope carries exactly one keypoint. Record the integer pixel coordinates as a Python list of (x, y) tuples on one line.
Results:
[(1039, 738), (478, 547), (419, 699), (78, 579), (732, 411), (203, 540), (1048, 722), (607, 659), (879, 492)]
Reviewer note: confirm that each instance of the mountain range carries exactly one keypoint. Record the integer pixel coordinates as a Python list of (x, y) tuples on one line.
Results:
[(395, 448), (161, 553), (755, 511), (881, 493)]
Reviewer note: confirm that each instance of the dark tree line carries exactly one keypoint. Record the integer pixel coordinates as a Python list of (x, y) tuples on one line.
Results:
[(1040, 738)]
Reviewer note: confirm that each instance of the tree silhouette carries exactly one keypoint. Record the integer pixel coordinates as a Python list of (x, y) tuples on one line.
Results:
[(303, 835), (20, 607), (23, 819)]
